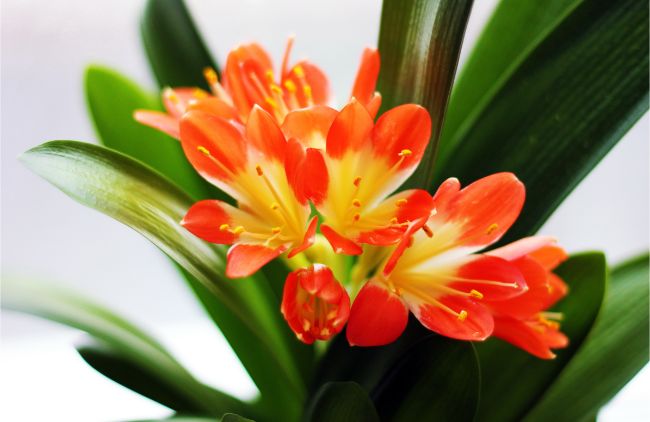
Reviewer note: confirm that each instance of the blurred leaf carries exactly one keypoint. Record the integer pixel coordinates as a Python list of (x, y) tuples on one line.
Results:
[(513, 30), (339, 402), (124, 370), (615, 350), (112, 99), (174, 47), (145, 201), (438, 380), (419, 43), (231, 417), (131, 343), (512, 380), (561, 110)]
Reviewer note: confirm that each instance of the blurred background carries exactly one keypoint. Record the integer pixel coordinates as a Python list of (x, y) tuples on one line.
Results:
[(45, 48)]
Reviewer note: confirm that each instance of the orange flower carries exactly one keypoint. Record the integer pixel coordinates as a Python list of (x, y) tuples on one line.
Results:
[(314, 304), (522, 320), (435, 272), (249, 79)]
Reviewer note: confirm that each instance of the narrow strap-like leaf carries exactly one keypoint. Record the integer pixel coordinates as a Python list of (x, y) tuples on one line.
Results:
[(175, 50), (615, 350), (419, 43), (561, 110), (341, 401)]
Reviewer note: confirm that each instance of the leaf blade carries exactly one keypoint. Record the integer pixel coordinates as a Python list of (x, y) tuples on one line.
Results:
[(341, 401)]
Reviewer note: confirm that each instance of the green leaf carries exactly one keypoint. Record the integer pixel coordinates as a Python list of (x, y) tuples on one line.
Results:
[(615, 350), (174, 47), (438, 380), (513, 30), (131, 343), (419, 43), (561, 110), (512, 380), (112, 99), (145, 201), (341, 401), (231, 417)]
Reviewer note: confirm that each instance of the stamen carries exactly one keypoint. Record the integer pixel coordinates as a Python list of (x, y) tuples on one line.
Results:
[(276, 89), (405, 152), (476, 294), (259, 170), (224, 227), (357, 181), (270, 77), (307, 91), (299, 71), (356, 203), (492, 228), (199, 93), (291, 87), (426, 229), (210, 76), (325, 332), (306, 325), (275, 206), (462, 316), (331, 314), (270, 101), (401, 202), (356, 217), (276, 230), (203, 150), (394, 221), (171, 95), (238, 230)]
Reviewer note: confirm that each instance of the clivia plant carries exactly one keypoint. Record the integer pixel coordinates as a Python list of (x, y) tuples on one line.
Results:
[(377, 259)]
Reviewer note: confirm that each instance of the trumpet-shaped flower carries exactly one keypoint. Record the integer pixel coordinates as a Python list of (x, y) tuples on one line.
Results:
[(348, 165), (435, 272), (523, 320), (314, 304), (270, 218), (249, 79)]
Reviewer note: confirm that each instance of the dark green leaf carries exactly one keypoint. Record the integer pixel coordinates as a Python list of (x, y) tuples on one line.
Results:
[(124, 370), (175, 49), (615, 350), (231, 417), (419, 42), (142, 199), (512, 380), (112, 99), (438, 380), (513, 30), (562, 109), (122, 337), (341, 401)]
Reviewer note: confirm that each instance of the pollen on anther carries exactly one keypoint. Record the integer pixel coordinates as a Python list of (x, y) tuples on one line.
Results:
[(270, 76), (394, 220), (491, 228), (325, 332), (299, 71), (224, 227), (270, 101), (210, 75), (476, 294), (276, 230), (427, 230), (171, 95), (357, 181), (203, 150), (401, 202), (307, 91), (462, 315), (275, 88), (356, 203), (405, 152), (238, 230), (356, 217), (291, 87), (275, 206), (259, 170), (199, 93)]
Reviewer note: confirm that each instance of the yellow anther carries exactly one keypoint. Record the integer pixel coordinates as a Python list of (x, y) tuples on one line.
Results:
[(356, 203), (238, 230), (356, 217), (210, 75), (275, 88), (269, 76), (307, 91), (259, 170), (476, 294), (275, 206), (224, 227), (199, 93), (203, 150), (492, 228), (394, 220), (357, 181), (331, 314), (276, 230), (462, 316), (270, 101), (299, 71), (426, 229), (405, 152), (291, 87), (325, 332), (171, 95), (306, 325), (401, 202), (300, 337)]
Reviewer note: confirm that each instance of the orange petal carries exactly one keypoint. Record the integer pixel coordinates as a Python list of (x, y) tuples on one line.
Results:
[(157, 120), (402, 134), (522, 247), (366, 79), (263, 133), (215, 148), (550, 256), (245, 260), (306, 173), (528, 338), (206, 219), (350, 130), (213, 105), (413, 227), (309, 126), (374, 104), (176, 100), (339, 243), (316, 80), (485, 209), (308, 240), (378, 316), (466, 321), (234, 75)]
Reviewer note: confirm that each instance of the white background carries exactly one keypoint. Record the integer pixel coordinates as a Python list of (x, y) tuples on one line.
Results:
[(45, 47)]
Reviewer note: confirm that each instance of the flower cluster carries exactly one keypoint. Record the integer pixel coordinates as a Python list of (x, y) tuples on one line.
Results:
[(299, 169)]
